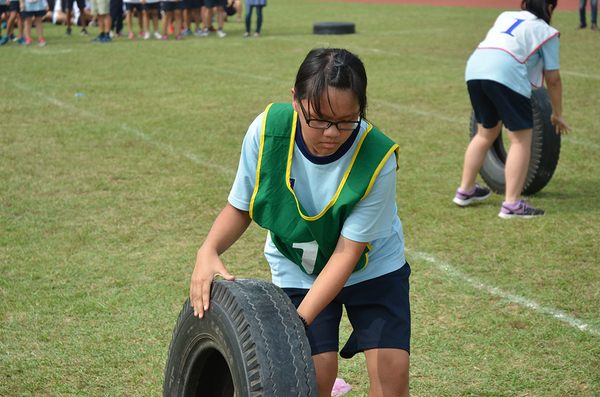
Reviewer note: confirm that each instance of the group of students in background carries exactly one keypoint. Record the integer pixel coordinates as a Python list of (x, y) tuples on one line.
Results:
[(177, 16)]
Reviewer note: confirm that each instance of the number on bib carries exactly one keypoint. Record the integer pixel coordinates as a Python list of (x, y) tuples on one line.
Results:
[(513, 27), (309, 255)]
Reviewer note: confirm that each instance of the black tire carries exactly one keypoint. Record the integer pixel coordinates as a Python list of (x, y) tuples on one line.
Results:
[(250, 343), (333, 28), (545, 150)]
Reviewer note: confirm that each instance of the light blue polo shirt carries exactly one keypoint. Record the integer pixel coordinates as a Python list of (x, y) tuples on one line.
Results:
[(500, 66), (373, 220)]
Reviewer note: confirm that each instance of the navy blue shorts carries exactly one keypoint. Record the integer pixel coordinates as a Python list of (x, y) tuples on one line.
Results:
[(493, 102), (378, 309), (151, 6), (29, 14), (3, 9), (192, 4), (215, 3), (68, 4), (14, 6), (134, 6), (172, 6)]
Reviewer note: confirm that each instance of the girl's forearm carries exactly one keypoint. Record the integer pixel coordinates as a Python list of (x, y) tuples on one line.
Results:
[(227, 229), (332, 278)]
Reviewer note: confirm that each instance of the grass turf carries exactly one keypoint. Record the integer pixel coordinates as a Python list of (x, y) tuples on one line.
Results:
[(105, 199)]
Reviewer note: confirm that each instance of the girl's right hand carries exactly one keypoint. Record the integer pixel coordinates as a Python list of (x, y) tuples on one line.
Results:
[(560, 124), (208, 266)]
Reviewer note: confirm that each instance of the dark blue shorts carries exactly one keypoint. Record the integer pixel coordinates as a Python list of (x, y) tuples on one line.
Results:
[(14, 6), (29, 14), (191, 4), (378, 309), (215, 3), (172, 6), (151, 6), (134, 6), (493, 102), (3, 9), (68, 4)]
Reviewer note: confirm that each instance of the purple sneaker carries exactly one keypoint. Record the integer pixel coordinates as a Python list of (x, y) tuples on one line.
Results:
[(464, 198), (520, 209)]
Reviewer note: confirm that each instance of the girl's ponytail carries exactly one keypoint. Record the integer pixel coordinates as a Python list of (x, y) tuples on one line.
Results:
[(539, 8)]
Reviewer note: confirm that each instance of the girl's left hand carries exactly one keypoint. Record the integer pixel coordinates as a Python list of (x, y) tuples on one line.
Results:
[(561, 125)]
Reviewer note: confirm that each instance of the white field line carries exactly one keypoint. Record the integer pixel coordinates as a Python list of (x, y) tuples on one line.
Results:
[(124, 127), (582, 75), (451, 271), (506, 296)]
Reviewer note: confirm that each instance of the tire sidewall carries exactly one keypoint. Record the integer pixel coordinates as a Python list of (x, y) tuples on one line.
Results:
[(214, 331)]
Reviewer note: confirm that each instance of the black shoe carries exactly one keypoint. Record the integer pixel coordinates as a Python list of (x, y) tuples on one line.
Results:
[(581, 26), (68, 32)]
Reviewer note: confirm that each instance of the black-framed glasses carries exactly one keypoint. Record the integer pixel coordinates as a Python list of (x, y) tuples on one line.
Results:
[(324, 124)]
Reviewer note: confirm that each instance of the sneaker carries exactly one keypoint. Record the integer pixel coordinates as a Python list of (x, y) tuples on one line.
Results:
[(157, 35), (68, 32), (147, 36), (205, 32), (594, 27), (221, 34), (12, 37), (581, 26), (99, 38), (171, 29), (141, 33), (520, 209), (464, 198), (111, 34), (106, 39), (165, 37), (131, 35), (41, 42), (212, 29), (28, 42), (186, 32), (4, 40), (198, 32), (179, 37), (21, 40), (84, 32)]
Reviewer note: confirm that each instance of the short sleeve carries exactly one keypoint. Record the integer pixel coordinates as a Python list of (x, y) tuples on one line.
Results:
[(373, 216), (550, 54), (245, 178)]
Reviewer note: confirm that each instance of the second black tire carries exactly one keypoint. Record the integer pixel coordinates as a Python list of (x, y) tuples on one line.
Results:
[(545, 150), (333, 28), (250, 343)]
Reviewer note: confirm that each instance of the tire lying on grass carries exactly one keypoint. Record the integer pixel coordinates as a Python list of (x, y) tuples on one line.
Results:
[(545, 150), (250, 342), (333, 28)]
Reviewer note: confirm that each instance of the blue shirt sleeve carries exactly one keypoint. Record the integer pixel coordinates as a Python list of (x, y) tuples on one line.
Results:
[(373, 216), (549, 53)]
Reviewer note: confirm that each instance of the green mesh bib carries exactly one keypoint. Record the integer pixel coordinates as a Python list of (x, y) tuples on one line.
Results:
[(309, 241)]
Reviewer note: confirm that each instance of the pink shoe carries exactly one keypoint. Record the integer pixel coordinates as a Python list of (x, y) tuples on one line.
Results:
[(131, 35), (165, 37), (141, 34), (179, 37)]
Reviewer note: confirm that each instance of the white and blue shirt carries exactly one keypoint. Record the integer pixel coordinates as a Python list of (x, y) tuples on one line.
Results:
[(515, 52), (315, 181)]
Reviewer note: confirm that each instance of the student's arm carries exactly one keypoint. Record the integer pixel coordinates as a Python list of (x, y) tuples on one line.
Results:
[(226, 230), (332, 278), (554, 86)]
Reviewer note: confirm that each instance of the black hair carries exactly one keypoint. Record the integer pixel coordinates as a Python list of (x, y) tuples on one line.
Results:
[(539, 8), (330, 67)]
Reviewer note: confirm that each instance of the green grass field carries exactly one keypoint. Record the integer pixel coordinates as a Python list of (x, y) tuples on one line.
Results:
[(105, 199)]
